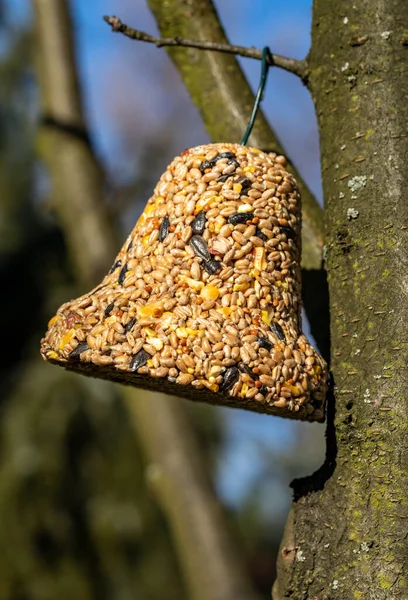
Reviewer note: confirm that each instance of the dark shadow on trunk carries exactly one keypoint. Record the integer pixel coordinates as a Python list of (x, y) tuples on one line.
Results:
[(315, 482)]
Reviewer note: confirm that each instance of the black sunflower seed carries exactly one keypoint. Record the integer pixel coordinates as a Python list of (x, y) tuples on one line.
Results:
[(212, 266), (244, 181), (115, 265), (208, 164), (76, 352), (245, 369), (122, 274), (198, 225), (200, 247), (164, 229), (225, 155), (263, 390), (129, 246), (261, 235), (108, 309), (277, 330), (289, 232), (264, 343), (139, 359), (224, 178), (240, 218), (230, 378), (129, 325)]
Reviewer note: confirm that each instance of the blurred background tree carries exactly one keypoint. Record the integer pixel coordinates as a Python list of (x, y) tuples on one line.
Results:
[(78, 517)]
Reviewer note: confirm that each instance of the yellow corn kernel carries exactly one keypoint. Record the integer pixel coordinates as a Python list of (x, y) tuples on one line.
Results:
[(241, 287), (67, 337), (204, 203), (248, 169), (154, 309), (52, 354), (244, 208), (210, 292), (53, 320), (110, 320), (278, 283), (278, 179), (265, 317), (150, 363), (181, 332), (145, 240), (190, 371), (260, 260), (317, 370), (149, 209), (156, 342), (159, 200), (294, 390), (244, 390), (224, 311), (237, 187), (256, 150), (193, 283), (192, 331), (150, 332)]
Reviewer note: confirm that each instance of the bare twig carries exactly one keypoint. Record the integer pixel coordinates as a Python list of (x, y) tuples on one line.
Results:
[(297, 67)]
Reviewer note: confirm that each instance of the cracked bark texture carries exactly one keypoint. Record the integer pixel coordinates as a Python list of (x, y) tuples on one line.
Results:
[(345, 538)]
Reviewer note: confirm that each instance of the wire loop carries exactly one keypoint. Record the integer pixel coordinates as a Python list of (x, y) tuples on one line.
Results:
[(266, 62)]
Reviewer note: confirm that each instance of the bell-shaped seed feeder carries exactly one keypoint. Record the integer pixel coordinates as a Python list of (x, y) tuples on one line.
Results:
[(203, 300)]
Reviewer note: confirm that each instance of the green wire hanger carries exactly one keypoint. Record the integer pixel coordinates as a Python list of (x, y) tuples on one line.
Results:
[(266, 62)]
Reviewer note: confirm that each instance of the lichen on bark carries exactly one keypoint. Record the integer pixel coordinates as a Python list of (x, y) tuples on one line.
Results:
[(348, 524)]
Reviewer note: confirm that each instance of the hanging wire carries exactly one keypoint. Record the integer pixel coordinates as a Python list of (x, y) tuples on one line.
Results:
[(266, 54)]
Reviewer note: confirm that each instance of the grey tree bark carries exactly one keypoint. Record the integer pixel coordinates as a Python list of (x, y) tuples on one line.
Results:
[(346, 534)]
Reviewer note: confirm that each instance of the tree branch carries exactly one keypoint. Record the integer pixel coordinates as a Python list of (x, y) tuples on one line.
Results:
[(297, 67), (219, 89), (77, 178), (205, 549), (179, 479)]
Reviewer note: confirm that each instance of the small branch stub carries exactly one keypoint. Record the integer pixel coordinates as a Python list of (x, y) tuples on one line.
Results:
[(297, 67)]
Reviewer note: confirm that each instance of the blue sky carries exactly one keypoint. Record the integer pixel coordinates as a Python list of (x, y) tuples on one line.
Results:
[(131, 92)]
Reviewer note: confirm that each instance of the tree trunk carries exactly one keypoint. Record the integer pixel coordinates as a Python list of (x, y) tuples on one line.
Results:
[(346, 533)]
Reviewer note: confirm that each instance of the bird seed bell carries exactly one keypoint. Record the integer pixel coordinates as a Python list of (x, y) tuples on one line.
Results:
[(204, 299)]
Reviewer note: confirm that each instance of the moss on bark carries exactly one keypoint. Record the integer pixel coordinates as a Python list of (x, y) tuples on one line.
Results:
[(349, 522)]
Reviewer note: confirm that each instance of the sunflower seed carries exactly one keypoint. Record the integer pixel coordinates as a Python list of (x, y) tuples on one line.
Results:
[(231, 376), (200, 247), (238, 218), (122, 274), (164, 229), (76, 352), (198, 225), (138, 360), (277, 330)]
